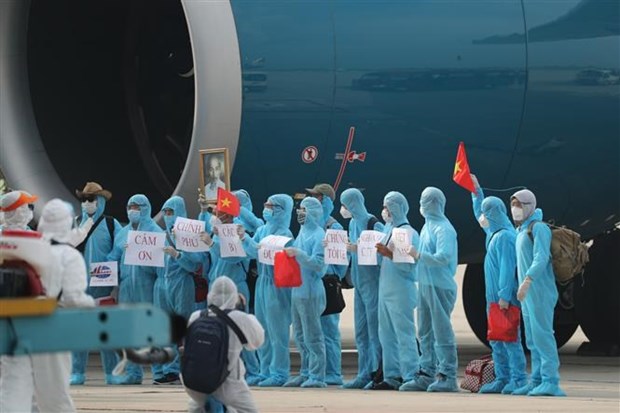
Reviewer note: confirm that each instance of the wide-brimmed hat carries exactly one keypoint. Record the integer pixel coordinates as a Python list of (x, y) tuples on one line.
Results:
[(93, 188)]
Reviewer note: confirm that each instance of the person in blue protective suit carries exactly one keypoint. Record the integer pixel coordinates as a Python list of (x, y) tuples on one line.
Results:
[(236, 268), (308, 300), (366, 282), (175, 292), (500, 287), (246, 217), (250, 223), (330, 323), (398, 297), (273, 304), (95, 248), (538, 295), (136, 284), (437, 259)]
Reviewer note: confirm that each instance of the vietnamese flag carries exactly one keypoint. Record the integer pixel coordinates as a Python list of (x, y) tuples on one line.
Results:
[(462, 175), (227, 203)]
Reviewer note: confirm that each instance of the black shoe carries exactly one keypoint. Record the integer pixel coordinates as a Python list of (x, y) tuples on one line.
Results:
[(169, 378), (384, 385)]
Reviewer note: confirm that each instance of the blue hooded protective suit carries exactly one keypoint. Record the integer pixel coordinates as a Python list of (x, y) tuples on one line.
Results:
[(175, 292), (500, 283), (251, 223), (330, 323), (366, 293), (436, 269), (308, 300), (273, 305), (136, 283), (398, 297), (534, 261), (97, 248), (235, 268), (246, 217)]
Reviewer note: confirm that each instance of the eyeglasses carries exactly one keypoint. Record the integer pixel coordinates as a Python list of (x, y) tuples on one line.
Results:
[(31, 207), (271, 206), (134, 207), (168, 212), (89, 198)]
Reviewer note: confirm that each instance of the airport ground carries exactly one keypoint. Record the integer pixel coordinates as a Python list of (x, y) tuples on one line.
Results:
[(592, 385)]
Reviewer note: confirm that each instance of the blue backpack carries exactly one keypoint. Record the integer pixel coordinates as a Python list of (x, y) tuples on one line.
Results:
[(204, 364)]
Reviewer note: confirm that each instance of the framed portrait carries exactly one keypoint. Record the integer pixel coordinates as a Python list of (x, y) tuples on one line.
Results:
[(214, 172)]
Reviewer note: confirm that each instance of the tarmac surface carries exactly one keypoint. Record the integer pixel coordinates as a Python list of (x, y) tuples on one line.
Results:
[(592, 385)]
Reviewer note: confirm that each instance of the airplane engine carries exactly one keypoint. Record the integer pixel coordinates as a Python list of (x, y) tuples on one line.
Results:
[(372, 94), (109, 91)]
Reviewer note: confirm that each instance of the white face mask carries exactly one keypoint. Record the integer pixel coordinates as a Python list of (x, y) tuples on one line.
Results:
[(385, 214), (346, 214), (422, 212), (517, 214), (214, 221), (484, 223), (89, 207)]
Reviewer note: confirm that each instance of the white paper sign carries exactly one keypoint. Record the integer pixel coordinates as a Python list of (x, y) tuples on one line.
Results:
[(145, 248), (104, 274), (366, 247), (269, 246), (401, 237), (336, 249), (230, 244), (187, 235)]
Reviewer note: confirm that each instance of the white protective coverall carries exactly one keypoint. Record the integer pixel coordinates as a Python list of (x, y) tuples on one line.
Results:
[(46, 375), (234, 393)]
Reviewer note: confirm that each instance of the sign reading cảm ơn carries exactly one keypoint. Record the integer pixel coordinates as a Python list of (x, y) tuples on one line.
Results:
[(145, 248)]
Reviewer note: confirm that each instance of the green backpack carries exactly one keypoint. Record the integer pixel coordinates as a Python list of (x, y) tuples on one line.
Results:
[(568, 253)]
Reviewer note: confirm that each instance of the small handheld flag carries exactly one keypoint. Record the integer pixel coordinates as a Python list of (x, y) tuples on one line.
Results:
[(462, 175), (227, 202)]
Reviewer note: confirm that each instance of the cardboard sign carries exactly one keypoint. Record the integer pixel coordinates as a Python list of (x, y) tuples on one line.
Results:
[(366, 247), (401, 237), (145, 248), (104, 274), (336, 249), (230, 244), (269, 246), (187, 235)]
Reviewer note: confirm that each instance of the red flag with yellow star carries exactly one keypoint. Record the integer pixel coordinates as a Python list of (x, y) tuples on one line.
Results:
[(462, 175), (227, 202)]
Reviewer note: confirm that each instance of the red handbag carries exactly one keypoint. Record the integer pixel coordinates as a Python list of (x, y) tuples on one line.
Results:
[(503, 325), (286, 271)]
